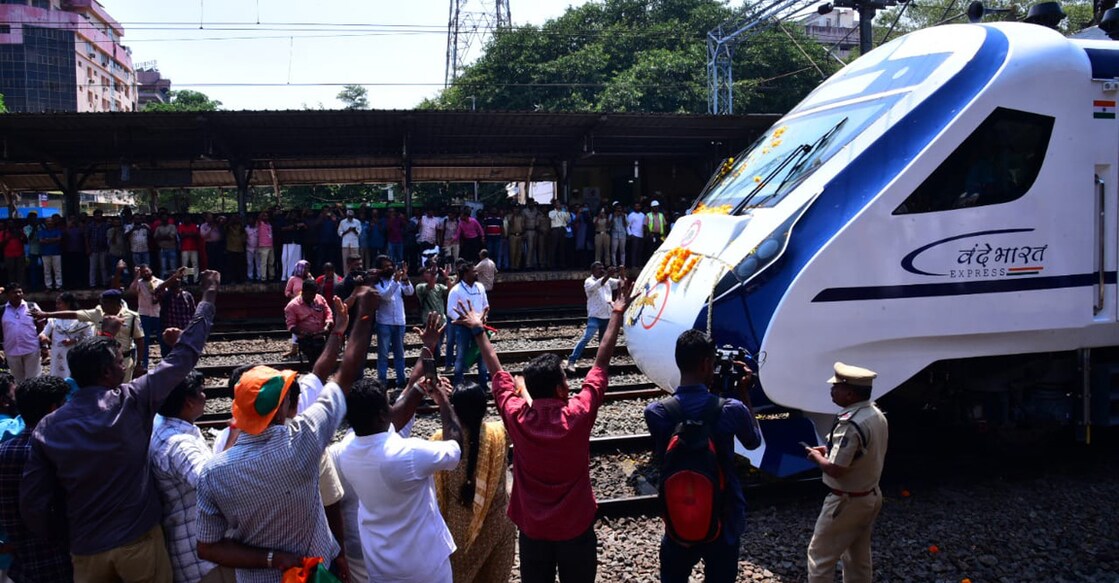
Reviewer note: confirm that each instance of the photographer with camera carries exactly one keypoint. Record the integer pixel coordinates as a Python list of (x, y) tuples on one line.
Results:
[(703, 505), (391, 285)]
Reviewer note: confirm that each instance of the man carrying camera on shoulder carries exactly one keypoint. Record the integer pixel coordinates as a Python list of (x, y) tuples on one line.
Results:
[(693, 439)]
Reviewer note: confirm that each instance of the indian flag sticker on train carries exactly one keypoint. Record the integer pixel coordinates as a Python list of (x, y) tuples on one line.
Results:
[(1103, 109)]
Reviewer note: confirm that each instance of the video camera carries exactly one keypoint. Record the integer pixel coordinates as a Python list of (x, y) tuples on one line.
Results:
[(727, 373)]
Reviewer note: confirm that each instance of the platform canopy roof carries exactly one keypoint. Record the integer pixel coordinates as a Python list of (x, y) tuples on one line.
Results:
[(92, 151)]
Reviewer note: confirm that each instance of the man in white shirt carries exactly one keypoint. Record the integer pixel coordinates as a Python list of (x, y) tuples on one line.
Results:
[(391, 285), (472, 296), (430, 228), (558, 218), (403, 536), (20, 335), (599, 288), (635, 235), (349, 229), (486, 270), (148, 307)]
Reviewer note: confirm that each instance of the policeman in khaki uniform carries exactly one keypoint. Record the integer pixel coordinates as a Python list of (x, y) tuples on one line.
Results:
[(516, 230), (532, 219), (852, 464)]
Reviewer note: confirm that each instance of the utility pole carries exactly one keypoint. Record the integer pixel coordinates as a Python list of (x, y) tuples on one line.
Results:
[(469, 24), (866, 9)]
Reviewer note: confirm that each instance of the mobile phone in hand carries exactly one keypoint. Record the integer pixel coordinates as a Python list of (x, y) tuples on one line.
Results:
[(430, 372)]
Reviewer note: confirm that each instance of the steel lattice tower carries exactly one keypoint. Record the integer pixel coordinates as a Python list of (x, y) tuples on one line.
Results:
[(470, 23)]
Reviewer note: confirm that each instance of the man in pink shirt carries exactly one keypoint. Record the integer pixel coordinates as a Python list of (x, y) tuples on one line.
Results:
[(309, 318), (264, 248), (552, 503), (471, 237)]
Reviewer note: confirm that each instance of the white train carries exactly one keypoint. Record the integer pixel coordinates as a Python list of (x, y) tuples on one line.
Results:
[(948, 198)]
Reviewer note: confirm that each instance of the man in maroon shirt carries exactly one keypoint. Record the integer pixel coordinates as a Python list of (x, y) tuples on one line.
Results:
[(552, 503)]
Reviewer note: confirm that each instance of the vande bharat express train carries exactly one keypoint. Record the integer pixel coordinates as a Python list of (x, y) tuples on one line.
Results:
[(943, 211)]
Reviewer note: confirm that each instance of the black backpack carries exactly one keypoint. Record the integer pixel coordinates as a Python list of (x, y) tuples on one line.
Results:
[(692, 484)]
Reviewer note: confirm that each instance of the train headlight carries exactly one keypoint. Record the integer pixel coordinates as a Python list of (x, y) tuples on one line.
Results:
[(761, 257), (746, 267), (769, 248)]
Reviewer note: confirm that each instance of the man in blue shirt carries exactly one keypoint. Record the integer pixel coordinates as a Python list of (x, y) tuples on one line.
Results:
[(695, 357)]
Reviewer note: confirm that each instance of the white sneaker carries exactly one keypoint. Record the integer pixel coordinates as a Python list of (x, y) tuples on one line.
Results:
[(570, 368)]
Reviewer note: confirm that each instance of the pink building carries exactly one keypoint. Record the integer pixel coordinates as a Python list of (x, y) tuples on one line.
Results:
[(63, 55)]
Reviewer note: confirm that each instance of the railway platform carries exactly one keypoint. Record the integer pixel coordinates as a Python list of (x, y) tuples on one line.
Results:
[(523, 291)]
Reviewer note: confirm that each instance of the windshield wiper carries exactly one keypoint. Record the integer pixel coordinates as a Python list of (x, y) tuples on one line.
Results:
[(795, 171), (800, 150), (801, 154)]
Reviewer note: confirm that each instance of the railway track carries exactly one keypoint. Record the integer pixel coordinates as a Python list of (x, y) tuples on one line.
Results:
[(621, 392), (273, 328), (223, 370)]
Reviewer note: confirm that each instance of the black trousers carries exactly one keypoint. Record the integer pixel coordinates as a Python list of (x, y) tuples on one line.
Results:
[(575, 559)]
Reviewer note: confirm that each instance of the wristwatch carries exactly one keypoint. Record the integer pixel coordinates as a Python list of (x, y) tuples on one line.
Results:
[(477, 330)]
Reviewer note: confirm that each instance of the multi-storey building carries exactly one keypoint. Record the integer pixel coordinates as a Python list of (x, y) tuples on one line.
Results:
[(152, 85), (63, 55)]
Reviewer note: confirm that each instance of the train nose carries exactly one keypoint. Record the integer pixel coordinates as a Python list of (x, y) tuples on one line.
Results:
[(672, 290)]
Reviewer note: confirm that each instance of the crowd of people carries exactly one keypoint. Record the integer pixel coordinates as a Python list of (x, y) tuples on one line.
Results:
[(82, 251), (104, 475)]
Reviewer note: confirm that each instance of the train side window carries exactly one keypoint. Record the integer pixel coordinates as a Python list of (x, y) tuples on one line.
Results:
[(997, 163)]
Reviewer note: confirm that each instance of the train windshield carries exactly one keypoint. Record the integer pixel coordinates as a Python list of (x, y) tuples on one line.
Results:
[(826, 121), (788, 153)]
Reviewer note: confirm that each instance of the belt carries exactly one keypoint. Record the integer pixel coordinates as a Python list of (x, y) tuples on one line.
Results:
[(854, 494), (600, 232)]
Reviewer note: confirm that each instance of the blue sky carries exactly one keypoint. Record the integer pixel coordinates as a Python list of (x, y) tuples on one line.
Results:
[(396, 49)]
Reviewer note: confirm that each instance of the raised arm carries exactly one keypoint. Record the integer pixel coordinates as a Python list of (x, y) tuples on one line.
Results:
[(440, 392), (610, 337), (154, 387), (405, 406), (329, 357), (353, 362)]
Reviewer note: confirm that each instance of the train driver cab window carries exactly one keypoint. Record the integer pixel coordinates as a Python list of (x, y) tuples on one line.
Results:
[(997, 163)]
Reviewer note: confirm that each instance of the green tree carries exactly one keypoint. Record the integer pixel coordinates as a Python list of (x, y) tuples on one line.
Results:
[(185, 100), (354, 97), (918, 15), (631, 55), (3, 108)]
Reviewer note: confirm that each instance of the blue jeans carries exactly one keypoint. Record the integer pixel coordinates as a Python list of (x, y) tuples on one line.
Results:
[(493, 247), (464, 340), (720, 561), (396, 252), (169, 261), (593, 325), (34, 272), (152, 329), (389, 334), (144, 258)]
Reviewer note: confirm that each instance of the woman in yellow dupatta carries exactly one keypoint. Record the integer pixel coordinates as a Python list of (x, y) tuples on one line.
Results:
[(473, 499)]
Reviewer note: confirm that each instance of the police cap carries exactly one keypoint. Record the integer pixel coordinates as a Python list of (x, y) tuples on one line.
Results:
[(852, 375)]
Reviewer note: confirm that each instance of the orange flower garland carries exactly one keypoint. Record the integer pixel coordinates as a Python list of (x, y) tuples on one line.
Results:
[(702, 209), (676, 264)]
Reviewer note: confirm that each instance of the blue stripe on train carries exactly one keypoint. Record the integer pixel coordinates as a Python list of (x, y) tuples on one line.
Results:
[(928, 290)]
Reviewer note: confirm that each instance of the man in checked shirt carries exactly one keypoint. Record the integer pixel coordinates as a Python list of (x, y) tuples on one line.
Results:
[(259, 506)]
